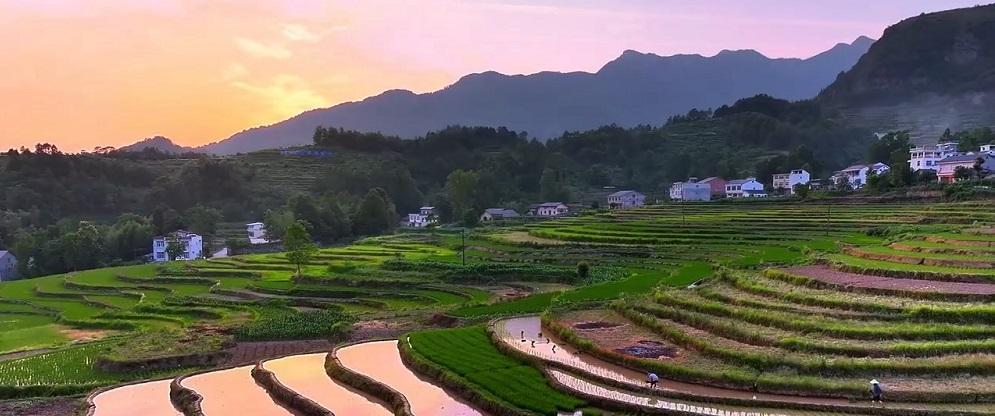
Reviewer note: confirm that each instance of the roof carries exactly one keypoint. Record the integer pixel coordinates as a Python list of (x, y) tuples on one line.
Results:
[(711, 179), (254, 224), (504, 212), (427, 208), (740, 181), (551, 204), (964, 158), (620, 193), (4, 253), (855, 167)]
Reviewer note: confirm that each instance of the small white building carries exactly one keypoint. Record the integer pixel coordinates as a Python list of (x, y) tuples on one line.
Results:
[(927, 156), (192, 246), (549, 209), (692, 190), (8, 266), (787, 181), (256, 232), (626, 199), (745, 188), (856, 175), (423, 218), (497, 214)]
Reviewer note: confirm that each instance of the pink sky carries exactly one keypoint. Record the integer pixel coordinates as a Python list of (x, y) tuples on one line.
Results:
[(101, 72)]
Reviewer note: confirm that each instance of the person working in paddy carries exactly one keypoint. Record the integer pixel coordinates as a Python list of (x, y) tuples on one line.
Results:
[(875, 391), (652, 379)]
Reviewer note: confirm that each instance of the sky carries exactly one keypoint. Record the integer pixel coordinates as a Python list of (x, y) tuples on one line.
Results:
[(83, 73)]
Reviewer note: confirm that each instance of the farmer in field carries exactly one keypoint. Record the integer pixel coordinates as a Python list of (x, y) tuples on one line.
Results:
[(875, 391), (652, 379)]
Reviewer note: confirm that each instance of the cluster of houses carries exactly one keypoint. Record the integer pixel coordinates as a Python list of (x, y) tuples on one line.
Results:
[(944, 159)]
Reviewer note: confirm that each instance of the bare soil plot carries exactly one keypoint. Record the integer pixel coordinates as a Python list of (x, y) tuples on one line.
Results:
[(826, 274), (611, 331)]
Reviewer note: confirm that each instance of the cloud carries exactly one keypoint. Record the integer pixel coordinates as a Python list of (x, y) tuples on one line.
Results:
[(287, 94), (234, 71), (300, 33), (262, 50)]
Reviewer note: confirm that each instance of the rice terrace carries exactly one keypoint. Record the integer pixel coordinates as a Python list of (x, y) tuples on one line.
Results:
[(740, 308)]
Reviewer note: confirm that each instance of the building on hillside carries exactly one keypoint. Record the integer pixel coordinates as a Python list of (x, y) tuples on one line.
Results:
[(549, 210), (8, 266), (926, 156), (745, 188), (856, 175), (192, 246), (626, 199), (785, 182), (256, 232), (692, 190), (819, 184), (988, 148), (717, 184), (498, 214), (313, 153), (423, 218), (946, 170)]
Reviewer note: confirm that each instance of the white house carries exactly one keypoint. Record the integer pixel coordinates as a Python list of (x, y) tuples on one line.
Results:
[(549, 209), (626, 199), (691, 190), (192, 244), (8, 266), (787, 181), (745, 188), (423, 218), (927, 156), (491, 214), (856, 175), (988, 148), (256, 232)]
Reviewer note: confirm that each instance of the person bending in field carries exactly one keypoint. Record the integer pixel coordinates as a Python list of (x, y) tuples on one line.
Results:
[(652, 379), (554, 349), (533, 344), (875, 391)]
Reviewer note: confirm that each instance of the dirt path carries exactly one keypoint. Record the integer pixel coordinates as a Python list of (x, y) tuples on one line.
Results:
[(56, 406), (826, 274), (250, 352)]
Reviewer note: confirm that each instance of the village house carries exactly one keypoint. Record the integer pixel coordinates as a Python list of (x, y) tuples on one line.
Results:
[(423, 218), (8, 266), (192, 246), (498, 214), (927, 156), (549, 209), (947, 168), (745, 188), (785, 182), (856, 175), (692, 190), (717, 185), (626, 199), (256, 232)]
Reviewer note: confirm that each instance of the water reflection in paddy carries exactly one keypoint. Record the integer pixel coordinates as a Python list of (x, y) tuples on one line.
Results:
[(306, 375), (233, 392), (382, 362), (146, 399)]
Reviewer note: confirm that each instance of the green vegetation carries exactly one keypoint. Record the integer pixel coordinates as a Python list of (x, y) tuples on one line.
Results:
[(294, 325)]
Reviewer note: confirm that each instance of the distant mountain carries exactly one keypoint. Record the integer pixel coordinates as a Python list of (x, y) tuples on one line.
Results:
[(927, 73), (159, 143), (636, 88)]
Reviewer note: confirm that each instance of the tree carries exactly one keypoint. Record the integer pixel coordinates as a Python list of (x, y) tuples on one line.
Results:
[(174, 248), (802, 190), (583, 270), (470, 219), (460, 188), (552, 187), (963, 173), (979, 168), (276, 223), (884, 148), (375, 214), (297, 242), (202, 220)]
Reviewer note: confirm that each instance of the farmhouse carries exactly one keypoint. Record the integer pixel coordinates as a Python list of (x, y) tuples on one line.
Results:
[(626, 199), (690, 191), (947, 168), (8, 266), (717, 185), (424, 217), (745, 188), (549, 209), (497, 214), (856, 175), (785, 182), (192, 246), (927, 156), (256, 232)]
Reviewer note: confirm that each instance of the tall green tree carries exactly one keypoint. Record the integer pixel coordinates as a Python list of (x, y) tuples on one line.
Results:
[(297, 242), (174, 248), (461, 186), (202, 220), (376, 214)]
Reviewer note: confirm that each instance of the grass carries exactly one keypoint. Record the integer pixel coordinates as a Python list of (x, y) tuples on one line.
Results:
[(294, 325), (469, 353)]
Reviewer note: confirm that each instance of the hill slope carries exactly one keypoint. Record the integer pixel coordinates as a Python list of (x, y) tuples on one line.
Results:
[(926, 74), (162, 144), (635, 88)]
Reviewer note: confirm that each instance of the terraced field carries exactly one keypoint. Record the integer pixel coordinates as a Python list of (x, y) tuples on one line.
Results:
[(761, 307)]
